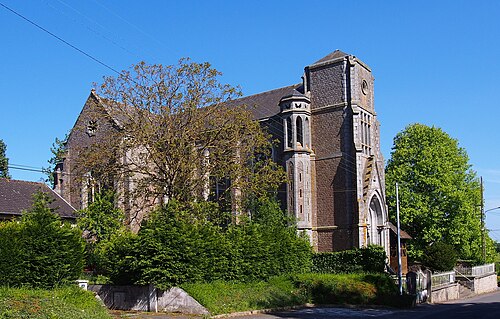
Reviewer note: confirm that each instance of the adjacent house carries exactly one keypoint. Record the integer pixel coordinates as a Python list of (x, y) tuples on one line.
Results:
[(329, 145), (17, 197)]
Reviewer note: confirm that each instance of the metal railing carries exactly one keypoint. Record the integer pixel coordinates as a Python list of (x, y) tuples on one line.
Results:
[(442, 279), (476, 270)]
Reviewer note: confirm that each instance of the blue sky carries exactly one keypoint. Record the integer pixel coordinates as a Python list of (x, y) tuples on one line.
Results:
[(435, 62)]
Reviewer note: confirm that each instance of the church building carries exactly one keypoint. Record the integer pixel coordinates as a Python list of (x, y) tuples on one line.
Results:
[(329, 145)]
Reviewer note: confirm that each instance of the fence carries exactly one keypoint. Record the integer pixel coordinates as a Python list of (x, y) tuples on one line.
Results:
[(442, 279), (476, 270)]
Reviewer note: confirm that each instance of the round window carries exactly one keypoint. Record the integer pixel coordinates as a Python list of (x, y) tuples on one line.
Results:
[(364, 87)]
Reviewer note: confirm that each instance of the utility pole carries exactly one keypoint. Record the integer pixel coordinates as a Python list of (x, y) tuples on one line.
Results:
[(400, 271), (483, 235)]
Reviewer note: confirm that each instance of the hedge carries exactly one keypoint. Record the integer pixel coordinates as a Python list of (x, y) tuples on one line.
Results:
[(40, 251), (369, 259)]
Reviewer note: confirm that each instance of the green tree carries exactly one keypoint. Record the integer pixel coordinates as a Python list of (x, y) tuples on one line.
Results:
[(4, 161), (439, 192), (41, 251), (101, 219), (58, 151), (178, 135), (440, 256)]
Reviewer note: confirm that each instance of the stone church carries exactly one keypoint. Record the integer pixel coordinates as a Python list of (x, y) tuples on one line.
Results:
[(329, 146)]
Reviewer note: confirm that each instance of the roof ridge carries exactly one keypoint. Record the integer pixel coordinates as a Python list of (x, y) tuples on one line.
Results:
[(22, 181), (294, 86)]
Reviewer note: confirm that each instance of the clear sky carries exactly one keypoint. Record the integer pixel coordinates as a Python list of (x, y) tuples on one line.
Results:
[(435, 62)]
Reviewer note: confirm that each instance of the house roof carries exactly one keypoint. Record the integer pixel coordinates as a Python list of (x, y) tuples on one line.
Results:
[(17, 196), (394, 229)]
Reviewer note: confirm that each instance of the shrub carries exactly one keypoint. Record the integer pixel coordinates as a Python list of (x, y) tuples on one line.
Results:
[(182, 243), (99, 222), (369, 259), (440, 256), (41, 250), (347, 288)]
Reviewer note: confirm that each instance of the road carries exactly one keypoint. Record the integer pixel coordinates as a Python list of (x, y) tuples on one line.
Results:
[(484, 306), (480, 307)]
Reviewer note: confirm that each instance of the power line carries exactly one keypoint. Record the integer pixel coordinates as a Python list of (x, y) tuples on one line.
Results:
[(26, 169), (60, 39)]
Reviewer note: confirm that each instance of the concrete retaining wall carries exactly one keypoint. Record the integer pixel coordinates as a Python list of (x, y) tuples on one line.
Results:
[(147, 298), (485, 283), (445, 293)]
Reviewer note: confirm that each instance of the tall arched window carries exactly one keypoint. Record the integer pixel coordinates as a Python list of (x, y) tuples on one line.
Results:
[(300, 131), (307, 135), (289, 132)]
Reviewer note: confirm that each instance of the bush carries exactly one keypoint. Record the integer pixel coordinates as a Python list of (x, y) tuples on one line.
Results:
[(186, 243), (369, 259), (347, 288), (440, 256), (40, 250)]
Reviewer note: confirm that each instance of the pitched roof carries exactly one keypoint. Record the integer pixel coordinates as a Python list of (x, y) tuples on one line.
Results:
[(332, 56), (265, 104), (394, 229), (17, 196)]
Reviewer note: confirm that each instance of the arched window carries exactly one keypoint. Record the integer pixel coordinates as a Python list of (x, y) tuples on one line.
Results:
[(289, 132), (300, 131), (307, 135), (376, 220)]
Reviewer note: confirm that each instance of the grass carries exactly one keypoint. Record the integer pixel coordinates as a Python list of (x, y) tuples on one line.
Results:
[(284, 291), (225, 297), (65, 302)]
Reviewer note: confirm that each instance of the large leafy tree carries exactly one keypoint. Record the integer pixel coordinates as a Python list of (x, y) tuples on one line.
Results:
[(439, 193), (4, 161), (175, 135)]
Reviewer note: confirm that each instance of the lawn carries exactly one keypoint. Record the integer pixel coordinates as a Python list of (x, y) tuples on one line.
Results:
[(66, 302)]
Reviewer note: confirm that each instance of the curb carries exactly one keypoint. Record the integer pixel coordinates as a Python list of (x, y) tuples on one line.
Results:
[(261, 311)]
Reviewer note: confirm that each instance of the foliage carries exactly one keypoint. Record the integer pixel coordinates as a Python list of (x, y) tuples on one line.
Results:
[(182, 243), (178, 135), (222, 297), (347, 288), (40, 251), (369, 259), (58, 151), (65, 302), (292, 290), (101, 219), (439, 192), (116, 258), (440, 256), (4, 161)]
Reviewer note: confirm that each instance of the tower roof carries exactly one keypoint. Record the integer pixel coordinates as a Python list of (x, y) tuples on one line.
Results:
[(332, 56)]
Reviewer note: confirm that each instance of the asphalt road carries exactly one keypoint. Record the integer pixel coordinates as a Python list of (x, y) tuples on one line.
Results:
[(484, 306), (480, 307)]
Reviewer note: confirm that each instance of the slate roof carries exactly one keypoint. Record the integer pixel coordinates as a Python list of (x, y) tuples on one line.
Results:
[(17, 196), (394, 229), (265, 104), (332, 56)]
